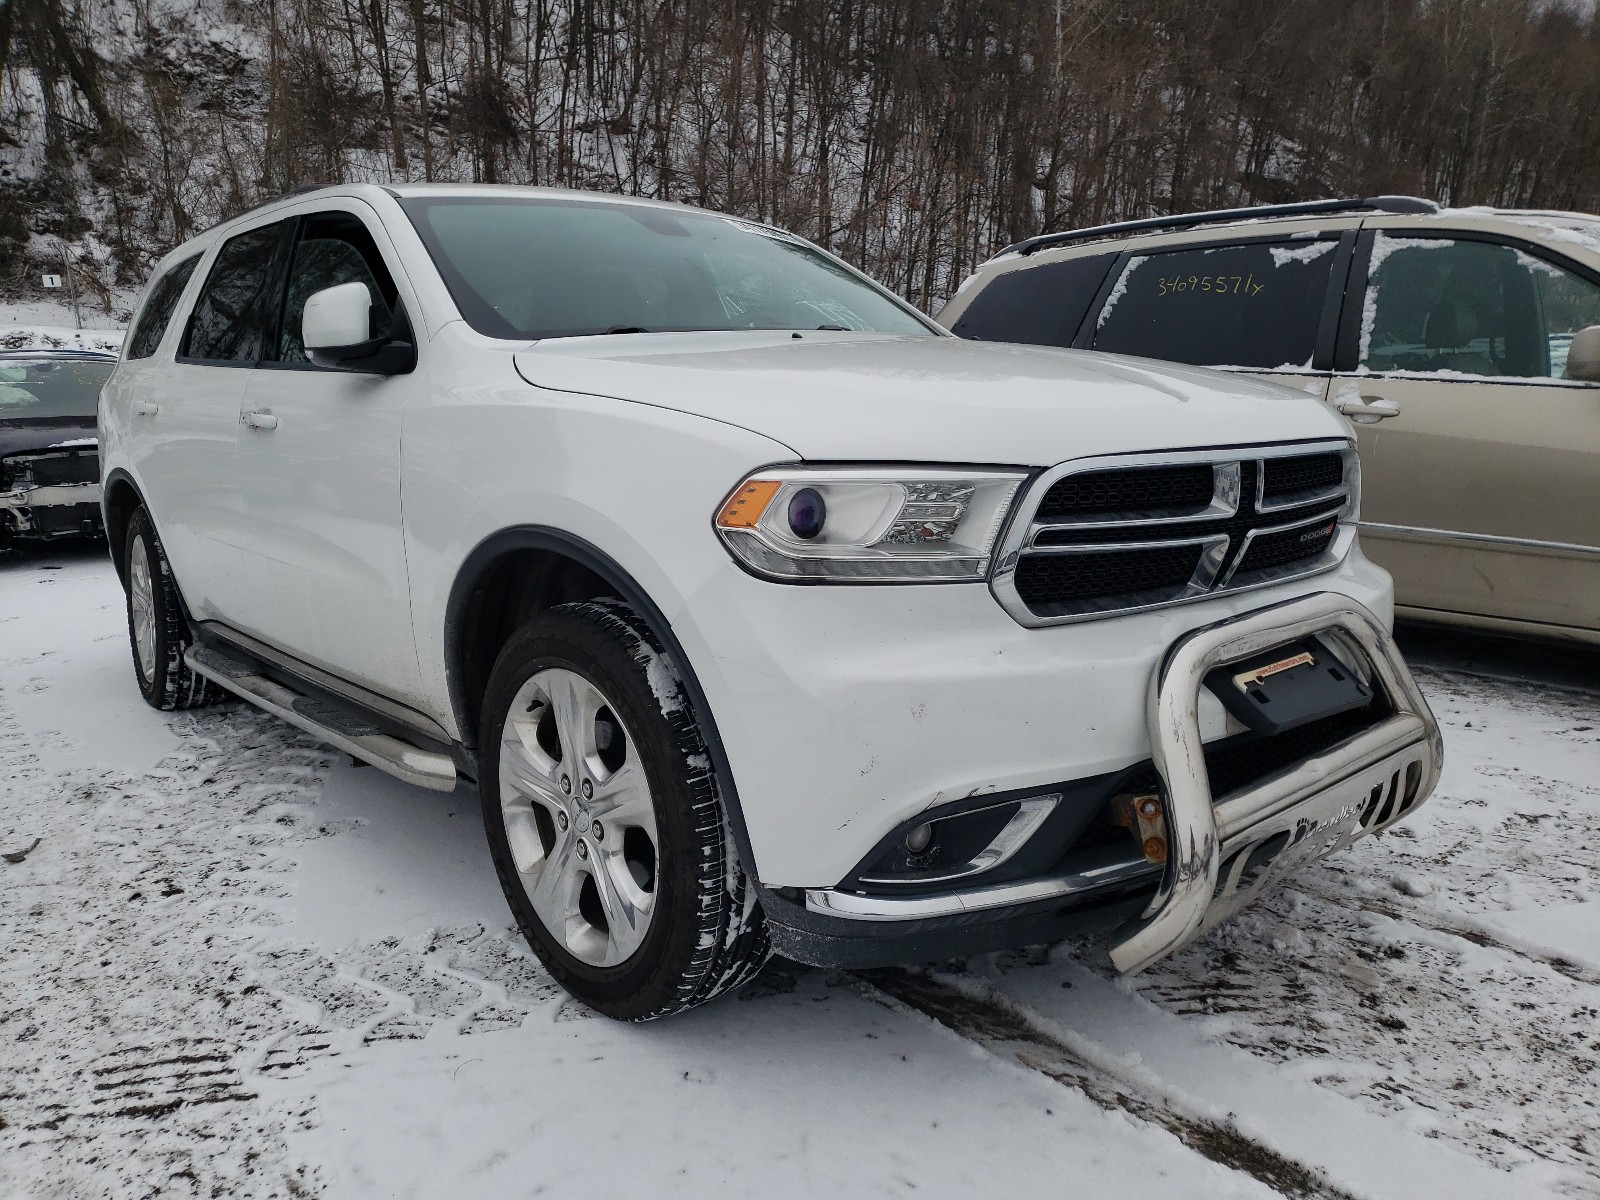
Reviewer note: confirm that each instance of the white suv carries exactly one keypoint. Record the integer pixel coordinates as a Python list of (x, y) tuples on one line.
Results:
[(764, 613)]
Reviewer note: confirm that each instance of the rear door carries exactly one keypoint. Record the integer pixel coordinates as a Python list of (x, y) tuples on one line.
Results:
[(1483, 496), (319, 469), (189, 416)]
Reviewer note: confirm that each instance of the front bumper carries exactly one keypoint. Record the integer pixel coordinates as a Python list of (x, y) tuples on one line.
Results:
[(51, 510), (1225, 850)]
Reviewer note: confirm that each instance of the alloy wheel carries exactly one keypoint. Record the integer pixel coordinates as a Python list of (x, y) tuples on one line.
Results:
[(579, 817), (142, 606)]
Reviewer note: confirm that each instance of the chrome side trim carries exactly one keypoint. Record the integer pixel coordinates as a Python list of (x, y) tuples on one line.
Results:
[(912, 908), (1179, 910), (1420, 533), (424, 768), (1023, 824)]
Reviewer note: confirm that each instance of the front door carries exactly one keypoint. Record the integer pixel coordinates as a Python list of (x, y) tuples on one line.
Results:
[(1482, 492), (319, 468)]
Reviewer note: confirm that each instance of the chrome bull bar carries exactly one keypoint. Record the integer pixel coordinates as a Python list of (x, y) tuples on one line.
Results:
[(1222, 854)]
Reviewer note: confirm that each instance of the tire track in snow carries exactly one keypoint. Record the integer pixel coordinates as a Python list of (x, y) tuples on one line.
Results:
[(1462, 926), (1012, 1033)]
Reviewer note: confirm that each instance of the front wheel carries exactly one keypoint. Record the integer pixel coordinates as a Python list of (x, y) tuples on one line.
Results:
[(605, 822), (157, 627)]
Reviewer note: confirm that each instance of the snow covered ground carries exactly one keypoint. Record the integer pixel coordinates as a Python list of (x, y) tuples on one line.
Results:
[(236, 965), (45, 324)]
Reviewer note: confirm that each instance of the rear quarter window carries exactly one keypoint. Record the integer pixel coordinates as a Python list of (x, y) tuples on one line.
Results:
[(1254, 305), (158, 309), (1039, 305)]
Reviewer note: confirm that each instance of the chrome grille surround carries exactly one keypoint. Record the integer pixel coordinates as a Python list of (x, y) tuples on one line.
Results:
[(1220, 552)]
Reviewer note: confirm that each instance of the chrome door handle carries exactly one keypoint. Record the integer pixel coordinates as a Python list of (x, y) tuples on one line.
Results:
[(143, 408), (259, 419), (1367, 409)]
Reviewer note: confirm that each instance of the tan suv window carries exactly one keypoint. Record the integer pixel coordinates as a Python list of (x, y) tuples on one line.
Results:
[(1440, 306)]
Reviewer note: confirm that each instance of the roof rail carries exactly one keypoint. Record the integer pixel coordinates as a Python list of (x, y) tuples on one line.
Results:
[(1308, 208), (300, 190)]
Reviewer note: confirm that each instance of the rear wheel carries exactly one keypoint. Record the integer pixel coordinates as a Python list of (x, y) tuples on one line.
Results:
[(605, 822), (157, 628)]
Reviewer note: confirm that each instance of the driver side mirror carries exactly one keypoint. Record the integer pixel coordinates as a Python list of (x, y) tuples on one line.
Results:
[(336, 329), (1583, 356)]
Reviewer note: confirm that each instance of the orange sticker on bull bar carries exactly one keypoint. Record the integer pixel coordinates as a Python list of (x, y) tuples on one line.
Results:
[(1244, 679)]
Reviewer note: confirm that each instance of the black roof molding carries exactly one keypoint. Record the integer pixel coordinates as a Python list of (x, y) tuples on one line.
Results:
[(1308, 208)]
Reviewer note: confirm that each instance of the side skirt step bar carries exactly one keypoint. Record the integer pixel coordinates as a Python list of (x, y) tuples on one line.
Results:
[(338, 725)]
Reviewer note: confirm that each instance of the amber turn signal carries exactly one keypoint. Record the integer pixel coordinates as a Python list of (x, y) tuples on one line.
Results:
[(745, 506)]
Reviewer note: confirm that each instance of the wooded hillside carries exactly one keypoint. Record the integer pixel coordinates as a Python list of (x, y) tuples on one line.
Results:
[(913, 137)]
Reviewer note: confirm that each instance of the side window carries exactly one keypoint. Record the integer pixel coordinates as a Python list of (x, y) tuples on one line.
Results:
[(1253, 305), (333, 248), (1441, 306), (157, 311), (229, 316), (1041, 305)]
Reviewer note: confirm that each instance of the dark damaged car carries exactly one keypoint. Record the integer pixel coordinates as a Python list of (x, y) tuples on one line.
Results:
[(49, 456)]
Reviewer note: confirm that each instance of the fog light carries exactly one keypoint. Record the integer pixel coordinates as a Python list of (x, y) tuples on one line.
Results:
[(919, 839), (807, 512)]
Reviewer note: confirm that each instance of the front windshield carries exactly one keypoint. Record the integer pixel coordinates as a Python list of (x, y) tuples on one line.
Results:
[(59, 389), (544, 268)]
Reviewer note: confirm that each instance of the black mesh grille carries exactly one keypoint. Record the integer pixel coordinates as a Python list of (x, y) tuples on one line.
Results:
[(1044, 580), (53, 469), (1302, 473), (1097, 579), (1130, 490), (1284, 549)]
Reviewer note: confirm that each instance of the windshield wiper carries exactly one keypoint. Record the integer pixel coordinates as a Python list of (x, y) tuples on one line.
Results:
[(627, 329)]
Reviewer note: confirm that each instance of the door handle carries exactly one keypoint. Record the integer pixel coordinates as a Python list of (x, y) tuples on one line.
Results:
[(1367, 409), (259, 419), (144, 408)]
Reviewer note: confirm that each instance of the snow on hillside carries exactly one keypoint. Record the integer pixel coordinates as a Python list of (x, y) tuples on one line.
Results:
[(44, 324)]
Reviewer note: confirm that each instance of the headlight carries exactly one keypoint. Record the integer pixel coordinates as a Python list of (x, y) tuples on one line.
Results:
[(867, 524)]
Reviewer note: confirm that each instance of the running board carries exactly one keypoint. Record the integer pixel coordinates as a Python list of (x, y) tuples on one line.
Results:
[(336, 724)]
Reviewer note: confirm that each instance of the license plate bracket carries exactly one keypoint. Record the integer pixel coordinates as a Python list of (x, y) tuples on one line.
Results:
[(1288, 686)]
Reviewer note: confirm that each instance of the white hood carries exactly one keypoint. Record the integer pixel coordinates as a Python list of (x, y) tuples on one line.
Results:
[(833, 397)]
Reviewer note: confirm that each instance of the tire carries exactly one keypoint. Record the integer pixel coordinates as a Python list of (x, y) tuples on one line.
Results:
[(158, 632), (634, 900)]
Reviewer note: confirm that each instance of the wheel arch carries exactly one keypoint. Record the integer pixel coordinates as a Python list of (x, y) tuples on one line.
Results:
[(119, 498), (519, 571)]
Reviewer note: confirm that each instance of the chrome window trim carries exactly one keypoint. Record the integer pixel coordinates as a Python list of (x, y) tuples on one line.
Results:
[(1021, 531)]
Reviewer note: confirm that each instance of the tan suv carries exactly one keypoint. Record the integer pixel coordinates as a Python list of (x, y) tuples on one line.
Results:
[(1463, 343)]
